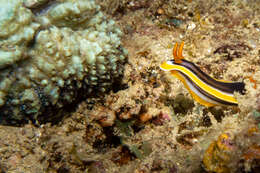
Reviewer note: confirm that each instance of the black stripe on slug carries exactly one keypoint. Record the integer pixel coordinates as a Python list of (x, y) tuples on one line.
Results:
[(222, 86), (203, 92)]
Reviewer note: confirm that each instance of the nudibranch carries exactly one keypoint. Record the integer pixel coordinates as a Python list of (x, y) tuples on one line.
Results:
[(203, 88)]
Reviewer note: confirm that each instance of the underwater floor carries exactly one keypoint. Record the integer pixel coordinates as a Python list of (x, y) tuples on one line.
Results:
[(150, 122)]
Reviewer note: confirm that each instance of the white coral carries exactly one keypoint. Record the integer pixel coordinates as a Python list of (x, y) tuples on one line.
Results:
[(77, 47)]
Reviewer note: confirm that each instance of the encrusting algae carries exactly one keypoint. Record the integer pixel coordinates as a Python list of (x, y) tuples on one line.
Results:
[(217, 156), (227, 149)]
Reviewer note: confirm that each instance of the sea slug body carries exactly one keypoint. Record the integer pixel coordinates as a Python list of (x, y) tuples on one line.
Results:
[(203, 88)]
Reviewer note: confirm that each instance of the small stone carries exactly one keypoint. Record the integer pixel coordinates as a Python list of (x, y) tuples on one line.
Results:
[(191, 25), (105, 116), (160, 11), (145, 117)]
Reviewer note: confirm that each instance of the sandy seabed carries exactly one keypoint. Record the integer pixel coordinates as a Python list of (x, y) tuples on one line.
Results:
[(149, 122)]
